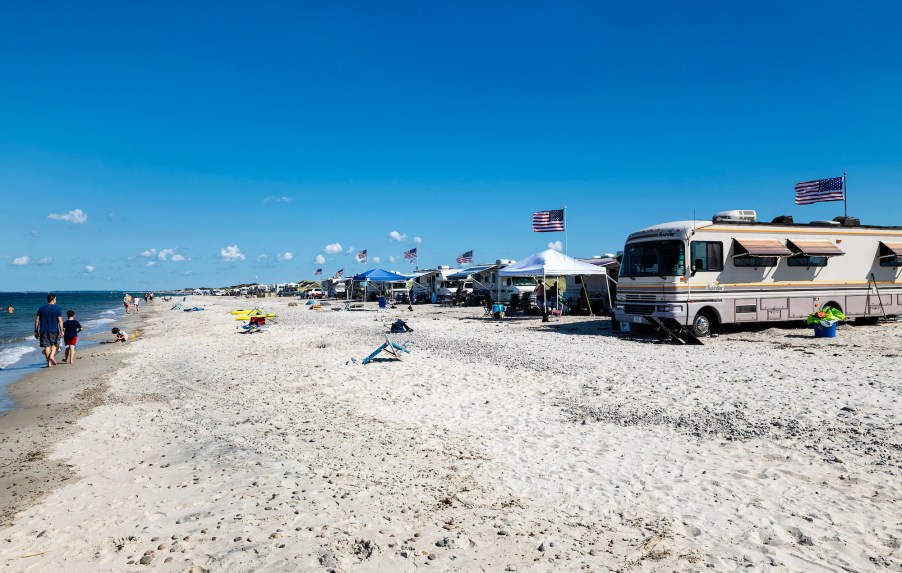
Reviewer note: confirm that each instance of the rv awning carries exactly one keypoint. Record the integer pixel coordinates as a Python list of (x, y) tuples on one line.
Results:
[(468, 272), (890, 250), (760, 248), (815, 248)]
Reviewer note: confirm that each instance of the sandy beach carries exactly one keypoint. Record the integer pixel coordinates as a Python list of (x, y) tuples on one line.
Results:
[(494, 446)]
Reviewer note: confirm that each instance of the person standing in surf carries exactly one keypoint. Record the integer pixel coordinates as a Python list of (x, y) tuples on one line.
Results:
[(48, 327), (127, 302)]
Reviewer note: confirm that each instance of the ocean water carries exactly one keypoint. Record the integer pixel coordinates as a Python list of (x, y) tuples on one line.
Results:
[(19, 351)]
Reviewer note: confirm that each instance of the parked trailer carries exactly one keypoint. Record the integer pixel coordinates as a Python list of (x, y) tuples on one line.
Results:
[(735, 269)]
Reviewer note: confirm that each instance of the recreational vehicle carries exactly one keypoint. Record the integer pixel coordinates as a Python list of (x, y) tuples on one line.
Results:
[(593, 293), (435, 281), (485, 279), (735, 269)]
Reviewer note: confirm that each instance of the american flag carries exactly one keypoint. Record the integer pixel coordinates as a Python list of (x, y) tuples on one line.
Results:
[(548, 221), (411, 255), (465, 258), (808, 192), (339, 273), (317, 272), (361, 256)]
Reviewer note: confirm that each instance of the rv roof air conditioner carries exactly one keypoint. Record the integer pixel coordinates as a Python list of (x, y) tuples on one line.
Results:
[(736, 216), (783, 220), (848, 221)]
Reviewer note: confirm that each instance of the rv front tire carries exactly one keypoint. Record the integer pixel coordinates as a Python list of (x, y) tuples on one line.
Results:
[(702, 324)]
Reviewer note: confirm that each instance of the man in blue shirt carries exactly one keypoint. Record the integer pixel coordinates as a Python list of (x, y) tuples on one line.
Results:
[(48, 327)]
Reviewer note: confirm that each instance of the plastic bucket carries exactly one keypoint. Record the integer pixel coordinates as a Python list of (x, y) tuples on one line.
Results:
[(821, 331)]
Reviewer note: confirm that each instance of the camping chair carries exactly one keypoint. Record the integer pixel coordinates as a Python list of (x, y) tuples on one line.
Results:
[(391, 348)]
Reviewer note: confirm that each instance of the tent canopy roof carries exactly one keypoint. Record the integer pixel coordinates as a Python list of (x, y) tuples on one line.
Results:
[(380, 276), (550, 263)]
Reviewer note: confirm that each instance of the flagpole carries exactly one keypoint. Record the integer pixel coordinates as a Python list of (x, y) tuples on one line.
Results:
[(845, 195), (565, 231)]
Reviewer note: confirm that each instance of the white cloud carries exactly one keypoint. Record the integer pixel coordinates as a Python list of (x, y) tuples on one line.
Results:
[(231, 254), (21, 261), (149, 253), (74, 216), (286, 256), (396, 236), (151, 264), (393, 259), (165, 254), (349, 250), (376, 259), (277, 199), (319, 259), (177, 258), (417, 240), (556, 245), (262, 258), (45, 260), (332, 249), (89, 269)]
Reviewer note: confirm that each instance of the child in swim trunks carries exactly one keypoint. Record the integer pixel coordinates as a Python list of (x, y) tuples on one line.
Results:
[(71, 328)]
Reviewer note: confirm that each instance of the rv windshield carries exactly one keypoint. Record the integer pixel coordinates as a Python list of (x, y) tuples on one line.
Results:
[(653, 259), (524, 281)]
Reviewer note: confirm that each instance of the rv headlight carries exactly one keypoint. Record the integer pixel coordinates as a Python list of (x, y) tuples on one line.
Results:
[(669, 308)]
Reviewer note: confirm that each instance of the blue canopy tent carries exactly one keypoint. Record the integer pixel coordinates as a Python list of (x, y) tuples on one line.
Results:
[(380, 276)]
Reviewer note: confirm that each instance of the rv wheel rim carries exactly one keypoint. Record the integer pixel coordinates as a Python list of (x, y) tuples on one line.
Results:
[(702, 324)]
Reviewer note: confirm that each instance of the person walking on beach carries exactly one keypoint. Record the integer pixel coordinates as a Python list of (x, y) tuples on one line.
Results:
[(137, 304), (71, 328), (48, 325), (127, 302)]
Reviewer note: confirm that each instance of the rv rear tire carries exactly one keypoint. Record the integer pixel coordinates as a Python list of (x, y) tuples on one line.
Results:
[(703, 323)]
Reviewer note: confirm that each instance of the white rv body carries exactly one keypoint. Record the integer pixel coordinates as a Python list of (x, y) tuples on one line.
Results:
[(704, 273)]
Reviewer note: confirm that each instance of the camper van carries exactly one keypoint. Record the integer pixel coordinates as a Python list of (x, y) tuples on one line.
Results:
[(735, 269)]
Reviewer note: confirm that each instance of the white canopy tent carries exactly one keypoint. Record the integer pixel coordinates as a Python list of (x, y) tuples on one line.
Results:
[(550, 263)]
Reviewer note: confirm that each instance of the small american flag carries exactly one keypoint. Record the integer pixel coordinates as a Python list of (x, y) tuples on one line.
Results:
[(465, 258), (411, 255), (361, 256), (548, 221), (317, 272), (339, 273), (808, 192)]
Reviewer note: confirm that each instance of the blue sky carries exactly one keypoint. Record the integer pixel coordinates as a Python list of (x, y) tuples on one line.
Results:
[(162, 135)]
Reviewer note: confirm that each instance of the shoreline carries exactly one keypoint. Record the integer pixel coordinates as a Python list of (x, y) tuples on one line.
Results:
[(47, 403)]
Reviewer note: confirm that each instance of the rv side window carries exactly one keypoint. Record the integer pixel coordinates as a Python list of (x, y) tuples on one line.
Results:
[(707, 255), (755, 261), (804, 261)]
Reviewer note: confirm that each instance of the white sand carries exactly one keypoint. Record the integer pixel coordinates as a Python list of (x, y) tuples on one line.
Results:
[(493, 446)]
